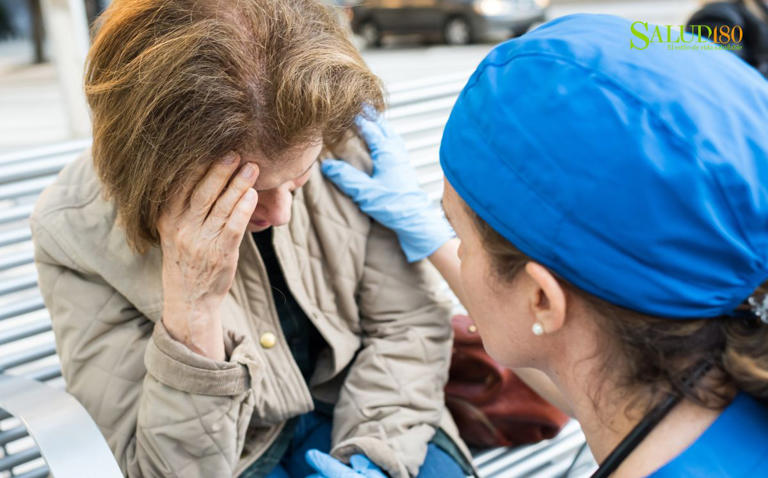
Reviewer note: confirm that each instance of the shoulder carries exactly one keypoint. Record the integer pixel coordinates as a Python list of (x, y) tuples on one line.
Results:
[(735, 445), (71, 220), (326, 205), (75, 187)]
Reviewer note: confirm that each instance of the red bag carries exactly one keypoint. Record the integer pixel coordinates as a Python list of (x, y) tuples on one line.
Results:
[(490, 404)]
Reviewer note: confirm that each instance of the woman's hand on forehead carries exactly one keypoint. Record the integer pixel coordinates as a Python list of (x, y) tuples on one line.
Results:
[(200, 251)]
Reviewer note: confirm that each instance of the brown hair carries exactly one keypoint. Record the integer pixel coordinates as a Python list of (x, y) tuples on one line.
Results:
[(661, 355), (174, 84)]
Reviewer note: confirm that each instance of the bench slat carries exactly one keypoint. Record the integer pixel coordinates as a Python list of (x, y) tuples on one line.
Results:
[(20, 307), (26, 356), (67, 148), (16, 213), (25, 188), (431, 141), (561, 450), (45, 374), (41, 472), (8, 462), (42, 167), (19, 284), (420, 95), (15, 236), (440, 106), (13, 434), (420, 127), (24, 331), (16, 259), (410, 85)]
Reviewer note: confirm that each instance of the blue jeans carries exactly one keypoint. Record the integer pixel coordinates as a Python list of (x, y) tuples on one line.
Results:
[(313, 430)]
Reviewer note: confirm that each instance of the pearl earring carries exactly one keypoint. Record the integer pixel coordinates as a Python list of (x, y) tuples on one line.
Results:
[(538, 329)]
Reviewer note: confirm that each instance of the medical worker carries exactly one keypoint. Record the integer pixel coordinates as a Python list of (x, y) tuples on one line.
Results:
[(612, 210)]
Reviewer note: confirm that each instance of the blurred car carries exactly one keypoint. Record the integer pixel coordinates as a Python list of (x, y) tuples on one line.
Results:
[(457, 21)]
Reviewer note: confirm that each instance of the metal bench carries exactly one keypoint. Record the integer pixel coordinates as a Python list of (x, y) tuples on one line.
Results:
[(42, 428)]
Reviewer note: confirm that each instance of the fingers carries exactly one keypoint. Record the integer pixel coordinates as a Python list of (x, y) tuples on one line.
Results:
[(370, 112), (346, 177), (372, 133), (177, 202), (240, 183), (234, 229), (207, 191), (386, 146), (327, 465), (364, 466), (370, 115)]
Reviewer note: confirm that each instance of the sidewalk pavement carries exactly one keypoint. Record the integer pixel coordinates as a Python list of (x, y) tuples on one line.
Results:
[(31, 105)]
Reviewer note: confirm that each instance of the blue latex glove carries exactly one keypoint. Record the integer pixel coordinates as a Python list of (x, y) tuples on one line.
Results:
[(391, 195), (329, 467)]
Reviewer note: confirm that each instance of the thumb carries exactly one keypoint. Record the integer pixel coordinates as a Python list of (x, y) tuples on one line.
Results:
[(346, 177), (363, 465), (326, 465)]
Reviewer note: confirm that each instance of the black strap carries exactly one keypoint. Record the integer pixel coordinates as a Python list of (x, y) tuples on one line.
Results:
[(642, 429), (631, 441)]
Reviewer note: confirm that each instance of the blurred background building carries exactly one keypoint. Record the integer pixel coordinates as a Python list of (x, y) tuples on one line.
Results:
[(43, 43)]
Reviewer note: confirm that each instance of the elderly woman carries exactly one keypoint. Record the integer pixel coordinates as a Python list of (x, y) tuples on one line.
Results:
[(218, 306), (612, 212)]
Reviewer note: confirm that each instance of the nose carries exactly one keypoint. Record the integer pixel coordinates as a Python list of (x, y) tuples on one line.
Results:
[(274, 206)]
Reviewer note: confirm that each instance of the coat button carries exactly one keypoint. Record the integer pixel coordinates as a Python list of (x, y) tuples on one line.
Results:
[(268, 340)]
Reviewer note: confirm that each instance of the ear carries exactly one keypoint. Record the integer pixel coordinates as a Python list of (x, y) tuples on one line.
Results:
[(547, 300)]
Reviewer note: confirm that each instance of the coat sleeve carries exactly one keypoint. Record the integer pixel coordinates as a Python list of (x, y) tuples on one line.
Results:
[(165, 411), (392, 400)]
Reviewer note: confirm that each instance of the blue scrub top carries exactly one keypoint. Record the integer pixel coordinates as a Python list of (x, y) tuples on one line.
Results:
[(736, 444)]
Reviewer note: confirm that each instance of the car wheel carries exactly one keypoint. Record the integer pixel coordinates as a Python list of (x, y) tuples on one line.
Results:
[(370, 33), (457, 31), (528, 28)]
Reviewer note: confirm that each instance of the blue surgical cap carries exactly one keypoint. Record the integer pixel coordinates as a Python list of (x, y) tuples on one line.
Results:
[(639, 176)]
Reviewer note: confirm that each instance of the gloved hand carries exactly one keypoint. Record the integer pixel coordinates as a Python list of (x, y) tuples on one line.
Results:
[(329, 467), (391, 195)]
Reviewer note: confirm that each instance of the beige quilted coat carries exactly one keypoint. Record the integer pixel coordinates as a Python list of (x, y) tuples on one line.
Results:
[(167, 412)]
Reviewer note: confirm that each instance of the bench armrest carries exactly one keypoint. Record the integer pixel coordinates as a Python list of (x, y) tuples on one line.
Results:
[(68, 438)]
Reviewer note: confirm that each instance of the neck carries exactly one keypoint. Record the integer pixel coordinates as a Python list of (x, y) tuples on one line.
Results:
[(606, 422)]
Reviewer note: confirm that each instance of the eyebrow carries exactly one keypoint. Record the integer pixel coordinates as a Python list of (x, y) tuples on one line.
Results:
[(300, 175), (310, 167)]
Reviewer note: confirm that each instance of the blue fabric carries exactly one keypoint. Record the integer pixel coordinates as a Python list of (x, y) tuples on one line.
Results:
[(638, 176), (735, 445), (313, 431)]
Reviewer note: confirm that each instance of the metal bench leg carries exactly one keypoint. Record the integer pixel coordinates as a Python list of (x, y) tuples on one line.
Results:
[(68, 438)]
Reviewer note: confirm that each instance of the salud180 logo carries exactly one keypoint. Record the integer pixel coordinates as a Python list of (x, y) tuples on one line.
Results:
[(682, 37)]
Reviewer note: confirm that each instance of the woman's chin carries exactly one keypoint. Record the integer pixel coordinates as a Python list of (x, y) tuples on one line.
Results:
[(257, 226)]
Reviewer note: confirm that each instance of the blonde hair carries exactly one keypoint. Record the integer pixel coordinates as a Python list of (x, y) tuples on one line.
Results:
[(175, 84)]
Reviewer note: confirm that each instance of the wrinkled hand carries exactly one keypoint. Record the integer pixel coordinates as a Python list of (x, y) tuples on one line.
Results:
[(391, 195), (200, 245), (329, 467)]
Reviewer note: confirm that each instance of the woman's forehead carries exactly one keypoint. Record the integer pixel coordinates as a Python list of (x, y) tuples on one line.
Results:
[(289, 166)]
